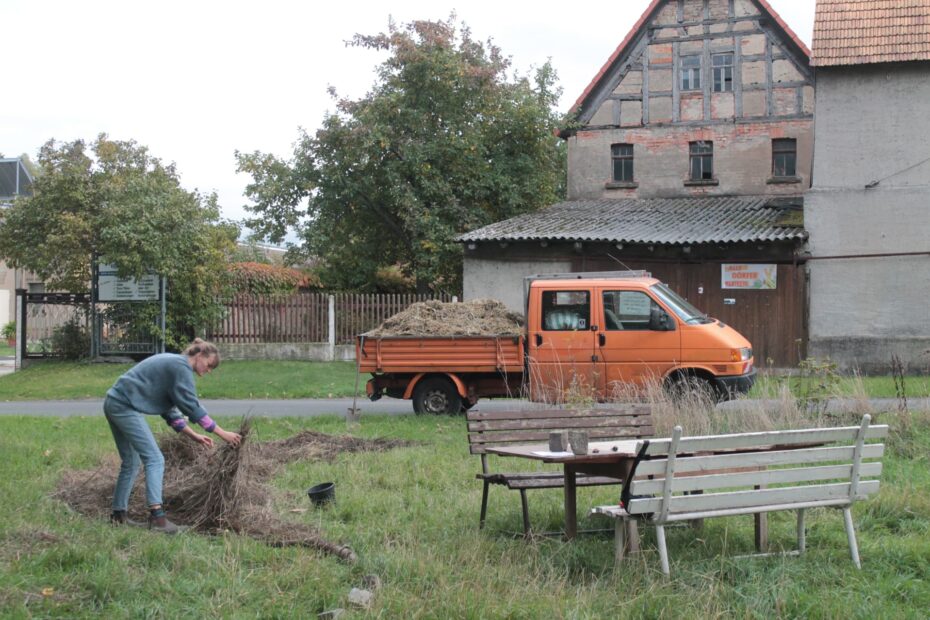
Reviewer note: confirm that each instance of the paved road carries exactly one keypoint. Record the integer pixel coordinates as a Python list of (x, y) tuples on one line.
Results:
[(269, 408), (385, 406)]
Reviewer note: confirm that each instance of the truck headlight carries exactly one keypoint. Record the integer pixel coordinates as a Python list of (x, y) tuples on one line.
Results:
[(740, 355)]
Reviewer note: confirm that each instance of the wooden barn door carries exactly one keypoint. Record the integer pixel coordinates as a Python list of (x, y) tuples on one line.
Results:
[(774, 321)]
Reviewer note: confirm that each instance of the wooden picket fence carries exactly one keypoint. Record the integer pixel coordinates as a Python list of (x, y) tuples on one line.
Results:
[(305, 317)]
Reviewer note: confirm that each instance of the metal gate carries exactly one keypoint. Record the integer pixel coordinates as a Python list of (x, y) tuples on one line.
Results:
[(53, 325), (71, 326), (120, 329)]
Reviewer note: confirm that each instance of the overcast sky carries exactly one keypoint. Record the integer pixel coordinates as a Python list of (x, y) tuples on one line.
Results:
[(196, 80)]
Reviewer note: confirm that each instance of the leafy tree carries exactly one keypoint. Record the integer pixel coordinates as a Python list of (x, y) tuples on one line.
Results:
[(120, 203), (447, 140)]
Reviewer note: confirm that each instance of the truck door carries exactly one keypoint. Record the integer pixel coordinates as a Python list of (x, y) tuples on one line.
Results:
[(561, 345), (638, 341)]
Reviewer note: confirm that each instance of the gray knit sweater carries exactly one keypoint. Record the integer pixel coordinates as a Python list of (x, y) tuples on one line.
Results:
[(161, 385)]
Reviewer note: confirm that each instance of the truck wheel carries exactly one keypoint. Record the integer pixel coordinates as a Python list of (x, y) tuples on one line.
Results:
[(436, 395)]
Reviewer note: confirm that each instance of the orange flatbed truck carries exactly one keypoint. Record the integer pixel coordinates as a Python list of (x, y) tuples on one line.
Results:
[(591, 334)]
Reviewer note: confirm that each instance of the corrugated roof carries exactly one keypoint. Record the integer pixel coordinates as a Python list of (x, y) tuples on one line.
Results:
[(720, 219), (853, 32)]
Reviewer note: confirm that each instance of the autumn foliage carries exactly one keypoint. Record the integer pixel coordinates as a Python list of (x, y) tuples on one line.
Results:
[(263, 279)]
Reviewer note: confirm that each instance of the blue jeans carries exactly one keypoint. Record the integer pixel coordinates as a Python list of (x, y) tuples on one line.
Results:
[(135, 442)]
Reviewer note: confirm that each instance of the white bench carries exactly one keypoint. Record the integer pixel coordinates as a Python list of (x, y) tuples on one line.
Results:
[(690, 478)]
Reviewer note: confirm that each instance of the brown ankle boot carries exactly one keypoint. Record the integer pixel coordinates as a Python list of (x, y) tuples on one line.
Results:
[(160, 523)]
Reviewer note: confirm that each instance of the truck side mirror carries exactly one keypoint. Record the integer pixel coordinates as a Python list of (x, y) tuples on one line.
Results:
[(660, 321)]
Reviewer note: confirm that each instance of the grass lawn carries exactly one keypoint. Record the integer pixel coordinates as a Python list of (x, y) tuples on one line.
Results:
[(292, 379), (411, 515), (6, 350), (233, 379), (875, 387)]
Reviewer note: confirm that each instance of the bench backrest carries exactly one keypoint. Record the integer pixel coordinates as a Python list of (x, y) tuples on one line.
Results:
[(502, 428), (717, 475)]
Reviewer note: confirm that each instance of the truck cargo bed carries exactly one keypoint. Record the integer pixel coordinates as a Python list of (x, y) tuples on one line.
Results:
[(414, 354)]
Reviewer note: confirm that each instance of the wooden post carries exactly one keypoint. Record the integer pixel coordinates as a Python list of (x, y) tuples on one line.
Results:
[(332, 328), (571, 516)]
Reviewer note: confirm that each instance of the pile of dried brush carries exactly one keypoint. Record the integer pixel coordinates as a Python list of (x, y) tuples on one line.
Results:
[(479, 317), (212, 491)]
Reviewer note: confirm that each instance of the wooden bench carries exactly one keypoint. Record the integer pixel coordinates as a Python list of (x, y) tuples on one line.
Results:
[(503, 428), (689, 478)]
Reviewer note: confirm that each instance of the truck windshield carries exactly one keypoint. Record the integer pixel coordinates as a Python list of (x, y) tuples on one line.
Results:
[(679, 305)]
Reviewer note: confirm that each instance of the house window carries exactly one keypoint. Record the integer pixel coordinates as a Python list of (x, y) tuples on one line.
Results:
[(702, 160), (723, 73), (784, 157), (621, 156), (690, 73)]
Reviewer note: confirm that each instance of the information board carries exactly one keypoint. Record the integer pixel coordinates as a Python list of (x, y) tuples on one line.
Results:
[(110, 287)]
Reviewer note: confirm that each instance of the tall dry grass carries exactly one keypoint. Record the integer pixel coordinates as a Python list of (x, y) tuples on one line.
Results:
[(776, 405)]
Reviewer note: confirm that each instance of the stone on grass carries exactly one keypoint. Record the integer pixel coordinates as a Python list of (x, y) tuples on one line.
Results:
[(360, 598)]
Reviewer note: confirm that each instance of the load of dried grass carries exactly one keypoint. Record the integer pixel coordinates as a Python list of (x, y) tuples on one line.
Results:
[(224, 489), (479, 317)]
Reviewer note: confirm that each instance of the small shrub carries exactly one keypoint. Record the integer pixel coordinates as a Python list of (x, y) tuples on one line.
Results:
[(71, 341), (817, 383)]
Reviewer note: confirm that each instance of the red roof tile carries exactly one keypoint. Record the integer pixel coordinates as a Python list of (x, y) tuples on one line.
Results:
[(853, 32)]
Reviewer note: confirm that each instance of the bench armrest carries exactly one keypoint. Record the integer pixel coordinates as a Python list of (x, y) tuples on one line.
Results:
[(625, 492)]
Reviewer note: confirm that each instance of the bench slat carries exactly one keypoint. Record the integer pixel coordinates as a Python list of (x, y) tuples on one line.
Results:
[(681, 504), (479, 442), (615, 511), (752, 478), (557, 483), (686, 464), (710, 443), (564, 423), (546, 414)]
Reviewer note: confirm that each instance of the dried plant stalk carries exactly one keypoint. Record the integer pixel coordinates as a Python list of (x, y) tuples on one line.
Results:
[(225, 489)]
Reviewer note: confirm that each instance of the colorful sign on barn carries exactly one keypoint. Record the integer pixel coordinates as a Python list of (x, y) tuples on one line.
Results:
[(748, 276)]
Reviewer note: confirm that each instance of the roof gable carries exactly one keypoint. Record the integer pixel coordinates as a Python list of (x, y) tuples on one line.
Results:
[(680, 15), (853, 32)]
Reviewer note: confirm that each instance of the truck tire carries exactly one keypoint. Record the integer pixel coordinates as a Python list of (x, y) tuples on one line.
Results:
[(436, 395)]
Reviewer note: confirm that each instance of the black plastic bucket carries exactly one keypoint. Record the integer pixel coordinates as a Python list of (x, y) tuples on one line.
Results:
[(322, 493)]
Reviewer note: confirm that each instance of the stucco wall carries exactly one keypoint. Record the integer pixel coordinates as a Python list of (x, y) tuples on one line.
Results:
[(503, 279), (872, 123)]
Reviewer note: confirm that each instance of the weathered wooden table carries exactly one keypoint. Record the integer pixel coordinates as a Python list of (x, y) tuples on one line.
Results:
[(607, 458)]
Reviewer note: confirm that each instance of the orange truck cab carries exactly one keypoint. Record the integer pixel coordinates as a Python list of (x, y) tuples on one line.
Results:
[(604, 333)]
